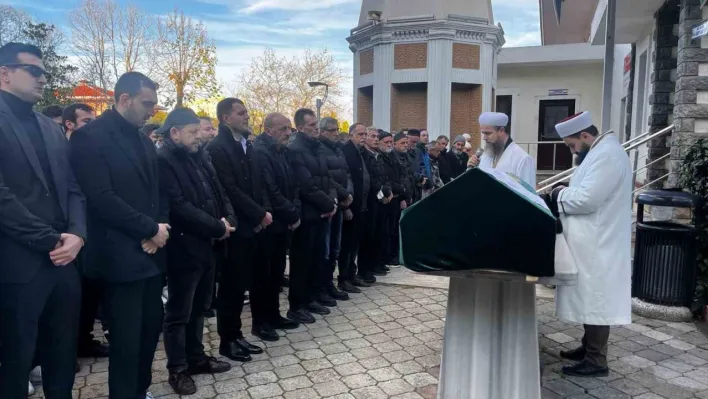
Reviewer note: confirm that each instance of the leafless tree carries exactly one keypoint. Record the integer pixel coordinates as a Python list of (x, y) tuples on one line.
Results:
[(12, 24)]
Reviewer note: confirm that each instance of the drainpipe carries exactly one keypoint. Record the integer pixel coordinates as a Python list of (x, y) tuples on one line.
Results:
[(609, 65)]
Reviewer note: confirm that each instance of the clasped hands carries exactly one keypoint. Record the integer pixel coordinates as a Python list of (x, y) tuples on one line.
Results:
[(159, 240), (66, 249)]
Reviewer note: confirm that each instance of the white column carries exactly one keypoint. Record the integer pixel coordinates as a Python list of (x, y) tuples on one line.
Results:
[(488, 67), (355, 88), (439, 84), (383, 68)]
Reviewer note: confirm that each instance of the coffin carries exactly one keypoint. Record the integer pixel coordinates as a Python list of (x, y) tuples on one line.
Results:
[(484, 220)]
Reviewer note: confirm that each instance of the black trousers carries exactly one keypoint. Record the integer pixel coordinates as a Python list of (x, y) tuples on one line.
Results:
[(246, 267), (189, 296), (351, 238), (307, 251), (135, 314), (393, 250), (92, 293), (277, 248), (371, 246), (595, 344), (43, 316), (219, 261)]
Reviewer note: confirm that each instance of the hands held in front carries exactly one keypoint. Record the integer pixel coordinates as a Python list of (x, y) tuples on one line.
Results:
[(388, 199), (150, 246), (267, 220), (294, 226), (348, 214), (473, 162), (229, 229), (66, 249), (348, 201), (404, 205), (330, 214)]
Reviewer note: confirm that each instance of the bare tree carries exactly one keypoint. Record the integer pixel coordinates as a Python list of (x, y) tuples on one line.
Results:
[(187, 57), (12, 24), (279, 84)]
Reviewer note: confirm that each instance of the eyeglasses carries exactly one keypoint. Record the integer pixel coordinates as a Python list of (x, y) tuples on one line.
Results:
[(33, 70)]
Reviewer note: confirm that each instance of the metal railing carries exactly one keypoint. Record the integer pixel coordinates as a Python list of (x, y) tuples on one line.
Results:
[(628, 146), (526, 145)]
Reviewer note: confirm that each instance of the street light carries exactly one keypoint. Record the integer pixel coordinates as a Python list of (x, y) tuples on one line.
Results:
[(320, 102)]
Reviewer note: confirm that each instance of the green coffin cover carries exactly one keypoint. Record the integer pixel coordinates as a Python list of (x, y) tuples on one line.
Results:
[(478, 222)]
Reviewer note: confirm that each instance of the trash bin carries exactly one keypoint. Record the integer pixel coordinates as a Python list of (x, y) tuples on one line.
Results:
[(664, 270)]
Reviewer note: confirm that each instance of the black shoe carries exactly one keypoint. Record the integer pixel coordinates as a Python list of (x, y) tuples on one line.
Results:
[(315, 307), (209, 365), (234, 351), (586, 369), (337, 294), (182, 383), (576, 355), (93, 349), (248, 347), (379, 271), (346, 286), (394, 262), (386, 268), (209, 314), (324, 299), (359, 282), (367, 278), (281, 323), (285, 282), (265, 332), (301, 316)]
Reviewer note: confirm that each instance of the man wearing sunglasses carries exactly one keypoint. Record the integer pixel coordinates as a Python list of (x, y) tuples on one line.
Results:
[(42, 229)]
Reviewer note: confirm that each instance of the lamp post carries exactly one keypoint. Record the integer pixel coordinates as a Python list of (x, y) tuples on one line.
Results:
[(320, 101)]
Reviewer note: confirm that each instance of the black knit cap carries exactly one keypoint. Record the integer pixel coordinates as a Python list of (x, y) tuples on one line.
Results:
[(383, 134)]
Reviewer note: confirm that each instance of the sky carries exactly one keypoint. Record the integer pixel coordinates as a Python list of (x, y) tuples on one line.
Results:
[(242, 29)]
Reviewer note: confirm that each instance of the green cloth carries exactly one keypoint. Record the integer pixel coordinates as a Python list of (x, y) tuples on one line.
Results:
[(477, 222)]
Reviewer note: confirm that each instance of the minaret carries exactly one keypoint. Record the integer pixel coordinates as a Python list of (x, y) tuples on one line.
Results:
[(425, 64)]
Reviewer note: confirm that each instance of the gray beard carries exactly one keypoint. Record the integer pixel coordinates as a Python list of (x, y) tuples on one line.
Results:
[(495, 149)]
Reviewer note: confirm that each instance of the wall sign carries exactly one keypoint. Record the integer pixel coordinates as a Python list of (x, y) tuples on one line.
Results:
[(699, 30), (557, 92)]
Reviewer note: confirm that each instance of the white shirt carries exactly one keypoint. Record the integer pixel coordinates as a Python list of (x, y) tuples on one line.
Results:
[(597, 222), (241, 140), (515, 161)]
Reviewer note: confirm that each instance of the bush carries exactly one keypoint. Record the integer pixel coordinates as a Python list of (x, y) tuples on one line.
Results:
[(693, 177)]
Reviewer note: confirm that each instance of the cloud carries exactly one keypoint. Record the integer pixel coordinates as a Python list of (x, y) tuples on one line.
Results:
[(521, 21), (254, 6)]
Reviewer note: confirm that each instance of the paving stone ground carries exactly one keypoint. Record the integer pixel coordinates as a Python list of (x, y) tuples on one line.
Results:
[(387, 341)]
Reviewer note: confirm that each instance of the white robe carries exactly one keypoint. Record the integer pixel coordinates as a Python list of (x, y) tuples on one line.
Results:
[(514, 160), (597, 220), (491, 344)]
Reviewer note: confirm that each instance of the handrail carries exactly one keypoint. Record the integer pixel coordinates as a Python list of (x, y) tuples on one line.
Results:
[(627, 146)]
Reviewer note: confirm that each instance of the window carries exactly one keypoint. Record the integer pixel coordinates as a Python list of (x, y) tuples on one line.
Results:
[(553, 156), (504, 106)]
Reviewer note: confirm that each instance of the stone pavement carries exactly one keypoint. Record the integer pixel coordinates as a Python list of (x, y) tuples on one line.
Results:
[(387, 341)]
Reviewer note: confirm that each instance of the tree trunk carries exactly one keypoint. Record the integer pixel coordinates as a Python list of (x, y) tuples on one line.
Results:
[(179, 88)]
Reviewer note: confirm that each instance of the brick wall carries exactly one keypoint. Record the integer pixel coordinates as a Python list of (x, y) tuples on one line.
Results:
[(465, 56), (366, 62), (409, 106), (466, 108), (410, 56), (365, 105)]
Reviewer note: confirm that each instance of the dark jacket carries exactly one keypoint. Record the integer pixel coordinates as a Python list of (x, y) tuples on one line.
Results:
[(281, 196), (242, 184), (361, 180), (197, 204), (444, 168), (457, 163), (117, 168), (309, 167), (26, 206), (379, 179), (338, 167), (395, 177), (408, 178)]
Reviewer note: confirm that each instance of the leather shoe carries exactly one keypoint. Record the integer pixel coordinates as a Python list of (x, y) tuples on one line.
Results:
[(577, 354), (208, 365), (324, 299), (586, 369), (346, 286), (301, 316), (281, 323), (265, 332), (337, 294), (182, 383), (315, 307), (367, 278), (359, 282), (379, 271), (234, 351), (93, 349), (248, 347)]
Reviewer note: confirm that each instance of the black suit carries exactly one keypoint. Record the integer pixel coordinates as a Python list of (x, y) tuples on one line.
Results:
[(117, 169), (39, 302), (247, 259), (197, 204), (371, 252), (353, 230), (457, 163)]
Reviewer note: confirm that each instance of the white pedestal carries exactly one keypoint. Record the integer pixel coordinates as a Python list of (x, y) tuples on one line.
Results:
[(490, 346)]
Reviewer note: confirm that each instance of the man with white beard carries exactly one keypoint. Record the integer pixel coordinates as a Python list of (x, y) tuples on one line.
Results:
[(501, 152)]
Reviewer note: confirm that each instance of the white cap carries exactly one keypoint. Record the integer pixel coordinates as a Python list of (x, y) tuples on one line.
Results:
[(466, 136), (574, 124), (493, 119), (468, 145)]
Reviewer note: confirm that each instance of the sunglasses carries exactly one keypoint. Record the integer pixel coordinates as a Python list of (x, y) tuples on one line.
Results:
[(33, 70)]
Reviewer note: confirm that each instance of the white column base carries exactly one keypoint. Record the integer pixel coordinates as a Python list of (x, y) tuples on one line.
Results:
[(490, 347)]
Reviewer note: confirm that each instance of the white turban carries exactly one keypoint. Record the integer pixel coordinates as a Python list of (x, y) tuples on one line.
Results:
[(574, 124), (496, 119)]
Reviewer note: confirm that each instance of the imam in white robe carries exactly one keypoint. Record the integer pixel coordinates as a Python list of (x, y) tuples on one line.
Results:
[(491, 343), (596, 212)]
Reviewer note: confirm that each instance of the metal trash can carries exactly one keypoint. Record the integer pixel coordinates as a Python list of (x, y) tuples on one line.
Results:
[(664, 270)]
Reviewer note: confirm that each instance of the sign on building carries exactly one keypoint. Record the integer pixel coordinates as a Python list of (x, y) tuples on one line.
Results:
[(557, 92), (699, 30)]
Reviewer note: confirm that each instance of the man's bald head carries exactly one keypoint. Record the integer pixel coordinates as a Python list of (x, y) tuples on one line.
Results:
[(277, 126)]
